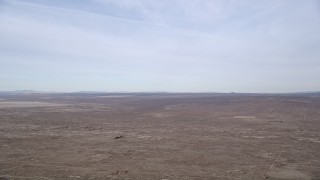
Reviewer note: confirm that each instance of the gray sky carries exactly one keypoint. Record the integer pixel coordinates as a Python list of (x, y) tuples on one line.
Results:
[(160, 45)]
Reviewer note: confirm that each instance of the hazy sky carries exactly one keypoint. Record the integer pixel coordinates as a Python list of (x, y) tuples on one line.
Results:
[(160, 45)]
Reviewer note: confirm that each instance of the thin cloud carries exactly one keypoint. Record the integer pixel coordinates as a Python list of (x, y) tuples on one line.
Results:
[(177, 45)]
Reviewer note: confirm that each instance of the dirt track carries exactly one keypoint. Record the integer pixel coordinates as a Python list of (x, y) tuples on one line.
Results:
[(159, 136)]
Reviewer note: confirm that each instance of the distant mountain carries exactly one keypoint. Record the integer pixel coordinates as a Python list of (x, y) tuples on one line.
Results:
[(22, 92), (27, 91), (89, 92)]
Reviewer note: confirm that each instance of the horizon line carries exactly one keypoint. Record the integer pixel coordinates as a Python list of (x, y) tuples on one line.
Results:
[(168, 92)]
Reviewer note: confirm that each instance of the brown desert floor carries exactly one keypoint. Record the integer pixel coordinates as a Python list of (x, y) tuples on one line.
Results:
[(159, 136)]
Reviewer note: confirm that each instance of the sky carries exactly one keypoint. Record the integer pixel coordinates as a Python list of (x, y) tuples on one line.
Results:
[(160, 45)]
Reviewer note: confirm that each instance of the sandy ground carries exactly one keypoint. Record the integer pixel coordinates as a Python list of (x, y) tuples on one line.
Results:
[(17, 104), (159, 136)]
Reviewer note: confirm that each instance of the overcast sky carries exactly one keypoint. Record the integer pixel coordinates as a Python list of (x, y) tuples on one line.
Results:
[(160, 45)]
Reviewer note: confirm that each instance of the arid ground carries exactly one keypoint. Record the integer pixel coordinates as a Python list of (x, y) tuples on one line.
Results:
[(159, 136)]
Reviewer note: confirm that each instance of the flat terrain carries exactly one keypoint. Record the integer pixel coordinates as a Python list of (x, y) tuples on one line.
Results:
[(159, 136)]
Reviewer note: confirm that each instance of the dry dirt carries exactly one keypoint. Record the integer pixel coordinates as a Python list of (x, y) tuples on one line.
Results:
[(159, 136)]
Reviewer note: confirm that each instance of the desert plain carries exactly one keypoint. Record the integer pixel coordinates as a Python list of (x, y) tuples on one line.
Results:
[(159, 136)]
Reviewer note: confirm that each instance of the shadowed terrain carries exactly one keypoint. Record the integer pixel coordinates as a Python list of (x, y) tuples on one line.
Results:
[(159, 136)]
